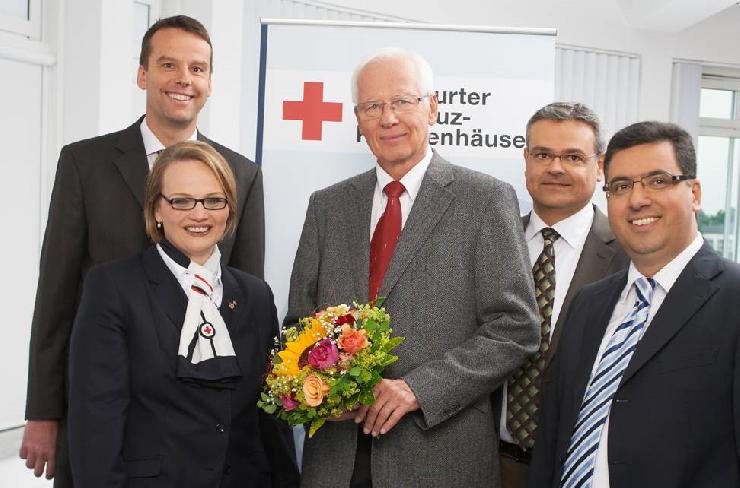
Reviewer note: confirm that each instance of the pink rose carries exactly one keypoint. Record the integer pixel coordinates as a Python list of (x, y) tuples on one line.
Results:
[(323, 354), (289, 403)]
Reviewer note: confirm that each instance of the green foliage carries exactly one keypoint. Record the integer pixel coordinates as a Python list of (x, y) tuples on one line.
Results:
[(350, 381)]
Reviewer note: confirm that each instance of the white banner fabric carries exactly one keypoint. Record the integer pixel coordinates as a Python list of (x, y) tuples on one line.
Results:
[(489, 82)]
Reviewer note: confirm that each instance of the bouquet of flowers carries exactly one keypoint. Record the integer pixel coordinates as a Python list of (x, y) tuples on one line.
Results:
[(328, 364)]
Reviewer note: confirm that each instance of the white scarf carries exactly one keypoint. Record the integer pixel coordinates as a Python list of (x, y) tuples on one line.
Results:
[(205, 353)]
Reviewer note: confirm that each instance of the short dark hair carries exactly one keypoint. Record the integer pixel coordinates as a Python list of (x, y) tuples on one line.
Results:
[(561, 111), (650, 132), (182, 22)]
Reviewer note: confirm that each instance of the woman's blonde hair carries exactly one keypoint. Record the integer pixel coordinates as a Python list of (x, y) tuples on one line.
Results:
[(188, 151)]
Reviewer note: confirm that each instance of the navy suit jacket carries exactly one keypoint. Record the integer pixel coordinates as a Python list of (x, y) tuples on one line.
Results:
[(675, 418), (131, 421), (96, 215)]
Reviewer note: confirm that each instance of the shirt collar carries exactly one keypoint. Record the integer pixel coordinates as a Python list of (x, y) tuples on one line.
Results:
[(669, 273), (411, 180), (151, 142), (573, 229)]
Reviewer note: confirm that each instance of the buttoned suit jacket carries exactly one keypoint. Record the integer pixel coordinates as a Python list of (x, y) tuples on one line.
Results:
[(457, 288), (95, 216), (675, 418), (601, 256), (132, 423)]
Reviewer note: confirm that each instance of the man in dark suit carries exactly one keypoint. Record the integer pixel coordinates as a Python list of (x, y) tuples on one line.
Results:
[(572, 238), (96, 216), (448, 254), (644, 388)]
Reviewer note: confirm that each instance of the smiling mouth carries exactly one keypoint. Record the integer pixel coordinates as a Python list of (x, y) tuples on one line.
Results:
[(643, 221), (179, 97), (197, 229)]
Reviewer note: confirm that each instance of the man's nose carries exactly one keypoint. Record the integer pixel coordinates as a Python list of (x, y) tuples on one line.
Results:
[(183, 76), (639, 196), (388, 115)]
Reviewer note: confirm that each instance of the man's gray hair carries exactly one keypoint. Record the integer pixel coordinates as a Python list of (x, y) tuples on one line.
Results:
[(560, 111), (425, 76)]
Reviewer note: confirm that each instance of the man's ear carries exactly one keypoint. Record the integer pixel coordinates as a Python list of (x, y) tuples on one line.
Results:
[(433, 106), (696, 195), (141, 77), (600, 172)]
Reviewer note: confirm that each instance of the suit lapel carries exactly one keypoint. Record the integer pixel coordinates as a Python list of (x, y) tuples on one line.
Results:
[(690, 291), (593, 265), (132, 162), (359, 205), (594, 326), (429, 206), (234, 302), (168, 295)]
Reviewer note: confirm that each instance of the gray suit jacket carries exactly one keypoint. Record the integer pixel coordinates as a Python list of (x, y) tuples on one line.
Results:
[(458, 289)]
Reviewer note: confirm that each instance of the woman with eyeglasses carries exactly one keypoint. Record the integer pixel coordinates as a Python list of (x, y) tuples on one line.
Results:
[(169, 349)]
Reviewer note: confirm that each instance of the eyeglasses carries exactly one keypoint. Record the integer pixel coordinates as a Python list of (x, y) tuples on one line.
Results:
[(569, 158), (374, 108), (656, 181), (188, 203)]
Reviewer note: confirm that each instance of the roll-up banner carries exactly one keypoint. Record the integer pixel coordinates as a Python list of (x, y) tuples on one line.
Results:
[(489, 81)]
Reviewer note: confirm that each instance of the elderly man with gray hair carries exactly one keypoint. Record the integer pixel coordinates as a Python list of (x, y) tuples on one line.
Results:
[(444, 246)]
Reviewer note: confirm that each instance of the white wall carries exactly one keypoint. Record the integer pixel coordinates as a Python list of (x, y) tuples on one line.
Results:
[(597, 24)]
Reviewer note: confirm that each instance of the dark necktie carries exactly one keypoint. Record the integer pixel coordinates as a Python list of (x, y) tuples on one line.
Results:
[(385, 237), (523, 392)]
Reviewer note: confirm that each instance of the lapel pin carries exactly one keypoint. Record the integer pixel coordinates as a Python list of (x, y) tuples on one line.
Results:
[(232, 304)]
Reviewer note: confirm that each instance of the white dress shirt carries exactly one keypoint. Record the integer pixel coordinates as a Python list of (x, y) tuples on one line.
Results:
[(152, 145), (573, 232), (411, 181), (664, 279)]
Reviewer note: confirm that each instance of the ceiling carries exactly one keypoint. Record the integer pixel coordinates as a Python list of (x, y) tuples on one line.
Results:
[(670, 15)]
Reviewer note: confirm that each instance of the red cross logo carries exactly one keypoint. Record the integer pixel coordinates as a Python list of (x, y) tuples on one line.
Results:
[(207, 330), (312, 110)]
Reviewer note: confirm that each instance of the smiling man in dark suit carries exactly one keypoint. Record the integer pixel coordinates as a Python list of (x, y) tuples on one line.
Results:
[(96, 215), (570, 244), (644, 388)]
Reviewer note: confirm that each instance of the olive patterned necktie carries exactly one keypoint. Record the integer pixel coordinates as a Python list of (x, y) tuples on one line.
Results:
[(522, 398)]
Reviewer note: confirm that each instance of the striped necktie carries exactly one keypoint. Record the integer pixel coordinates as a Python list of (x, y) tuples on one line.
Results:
[(578, 469)]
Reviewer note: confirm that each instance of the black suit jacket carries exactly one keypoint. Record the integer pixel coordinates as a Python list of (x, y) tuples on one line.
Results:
[(675, 419), (95, 216), (601, 256), (129, 416)]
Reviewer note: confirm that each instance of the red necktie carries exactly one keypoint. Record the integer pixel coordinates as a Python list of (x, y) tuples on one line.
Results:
[(385, 237)]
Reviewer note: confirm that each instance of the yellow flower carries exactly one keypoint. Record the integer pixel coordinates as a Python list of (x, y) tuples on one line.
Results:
[(291, 355)]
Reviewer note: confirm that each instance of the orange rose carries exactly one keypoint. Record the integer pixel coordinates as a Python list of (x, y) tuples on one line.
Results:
[(352, 340), (314, 390)]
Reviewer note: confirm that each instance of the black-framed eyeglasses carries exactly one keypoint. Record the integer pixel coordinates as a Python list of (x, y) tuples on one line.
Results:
[(373, 109), (189, 203), (655, 181), (569, 158)]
